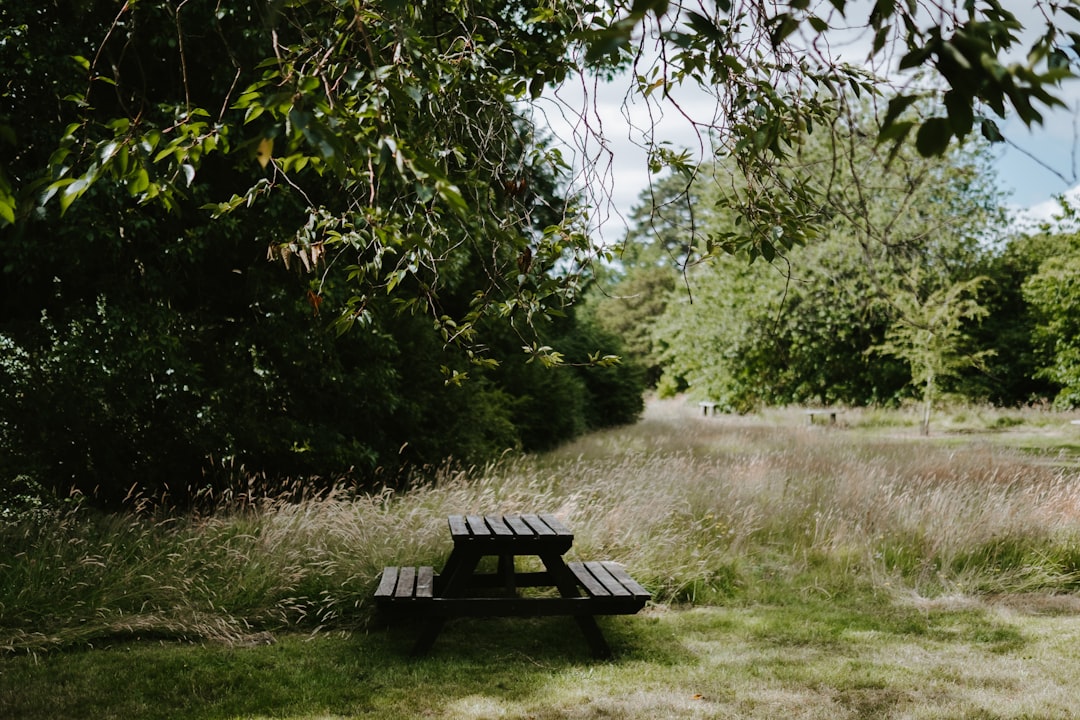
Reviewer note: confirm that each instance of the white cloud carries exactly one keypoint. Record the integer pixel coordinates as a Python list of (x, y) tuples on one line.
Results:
[(1046, 212)]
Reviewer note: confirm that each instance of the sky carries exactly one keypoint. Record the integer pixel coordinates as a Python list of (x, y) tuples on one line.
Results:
[(1033, 167)]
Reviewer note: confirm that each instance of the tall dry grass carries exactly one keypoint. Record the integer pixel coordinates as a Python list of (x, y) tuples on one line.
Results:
[(700, 510)]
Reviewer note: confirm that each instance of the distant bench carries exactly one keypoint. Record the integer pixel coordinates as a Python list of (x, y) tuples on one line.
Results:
[(708, 406), (831, 414)]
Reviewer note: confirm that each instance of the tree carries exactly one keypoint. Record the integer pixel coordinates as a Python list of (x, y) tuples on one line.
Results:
[(151, 149), (798, 329), (929, 335)]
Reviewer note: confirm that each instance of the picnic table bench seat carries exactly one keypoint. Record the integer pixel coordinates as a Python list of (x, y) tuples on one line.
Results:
[(609, 590)]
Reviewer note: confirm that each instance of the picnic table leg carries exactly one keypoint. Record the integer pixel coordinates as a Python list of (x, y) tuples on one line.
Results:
[(428, 635), (567, 584), (506, 572), (455, 579)]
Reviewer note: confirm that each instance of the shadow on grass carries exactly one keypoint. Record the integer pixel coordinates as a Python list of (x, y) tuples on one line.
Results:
[(486, 668), (366, 674)]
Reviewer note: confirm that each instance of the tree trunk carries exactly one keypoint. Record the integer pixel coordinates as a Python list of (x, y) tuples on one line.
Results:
[(928, 403)]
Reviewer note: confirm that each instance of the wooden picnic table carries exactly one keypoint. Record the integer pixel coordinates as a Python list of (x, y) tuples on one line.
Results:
[(829, 413), (585, 589)]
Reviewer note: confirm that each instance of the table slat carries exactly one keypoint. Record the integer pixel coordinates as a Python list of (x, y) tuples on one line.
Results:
[(518, 525), (477, 526), (498, 525), (457, 525), (554, 524), (538, 525)]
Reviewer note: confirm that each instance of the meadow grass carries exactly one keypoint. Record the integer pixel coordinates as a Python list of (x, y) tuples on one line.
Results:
[(849, 571)]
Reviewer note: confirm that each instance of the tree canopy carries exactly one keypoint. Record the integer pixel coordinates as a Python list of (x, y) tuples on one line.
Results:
[(154, 155), (395, 127)]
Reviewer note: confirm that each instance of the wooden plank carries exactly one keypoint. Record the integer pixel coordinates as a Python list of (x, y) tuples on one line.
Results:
[(538, 525), (477, 526), (387, 583), (498, 525), (592, 586), (406, 585), (602, 574), (519, 526), (457, 525), (620, 574), (554, 524), (425, 581)]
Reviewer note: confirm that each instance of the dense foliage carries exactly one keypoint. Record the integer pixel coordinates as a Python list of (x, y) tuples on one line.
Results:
[(154, 155), (917, 289), (1052, 293), (158, 349)]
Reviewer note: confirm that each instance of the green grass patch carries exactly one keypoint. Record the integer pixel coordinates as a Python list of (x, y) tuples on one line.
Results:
[(809, 659)]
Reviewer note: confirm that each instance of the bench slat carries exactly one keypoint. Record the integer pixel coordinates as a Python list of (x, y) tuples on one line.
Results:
[(425, 581), (406, 585), (619, 573), (601, 573), (531, 607), (594, 587), (387, 583)]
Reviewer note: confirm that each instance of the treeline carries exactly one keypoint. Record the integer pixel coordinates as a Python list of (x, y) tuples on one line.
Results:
[(165, 353), (921, 287)]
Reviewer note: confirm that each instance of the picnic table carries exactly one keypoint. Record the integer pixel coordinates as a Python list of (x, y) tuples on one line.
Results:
[(584, 589), (831, 414)]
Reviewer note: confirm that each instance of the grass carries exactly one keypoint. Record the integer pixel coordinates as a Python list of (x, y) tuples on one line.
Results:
[(849, 572)]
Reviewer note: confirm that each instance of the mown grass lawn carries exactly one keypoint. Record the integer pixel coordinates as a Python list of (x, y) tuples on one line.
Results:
[(851, 572), (815, 658)]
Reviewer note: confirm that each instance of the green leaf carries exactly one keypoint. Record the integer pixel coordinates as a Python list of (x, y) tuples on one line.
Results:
[(452, 196), (990, 131), (897, 106), (72, 192), (880, 37), (933, 137), (783, 26), (704, 26), (961, 114)]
